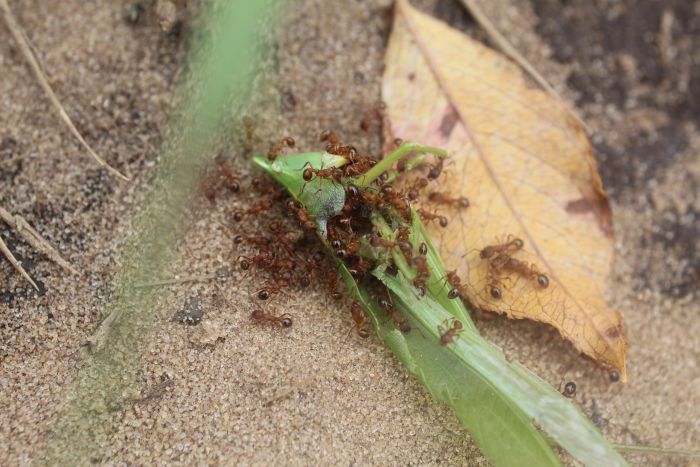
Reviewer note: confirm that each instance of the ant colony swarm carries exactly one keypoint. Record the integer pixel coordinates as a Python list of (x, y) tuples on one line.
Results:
[(283, 254)]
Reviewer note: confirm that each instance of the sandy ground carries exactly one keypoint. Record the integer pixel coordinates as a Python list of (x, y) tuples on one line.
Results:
[(227, 391)]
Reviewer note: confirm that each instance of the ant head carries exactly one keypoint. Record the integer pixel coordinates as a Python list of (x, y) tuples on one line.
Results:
[(452, 294), (543, 280), (308, 174)]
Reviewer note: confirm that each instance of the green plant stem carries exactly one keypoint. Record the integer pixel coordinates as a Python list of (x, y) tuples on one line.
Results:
[(385, 164)]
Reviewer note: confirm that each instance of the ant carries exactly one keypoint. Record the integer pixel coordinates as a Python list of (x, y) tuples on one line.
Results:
[(397, 201), (332, 281), (332, 173), (358, 166), (456, 282), (429, 216), (224, 176), (527, 271), (442, 198), (376, 113), (448, 333), (377, 241), (495, 269), (510, 245), (399, 320), (304, 220), (418, 185), (277, 148), (423, 273), (359, 266), (436, 169), (261, 316), (335, 147), (360, 320)]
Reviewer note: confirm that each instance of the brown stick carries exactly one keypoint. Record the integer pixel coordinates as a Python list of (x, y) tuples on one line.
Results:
[(34, 239), (11, 258)]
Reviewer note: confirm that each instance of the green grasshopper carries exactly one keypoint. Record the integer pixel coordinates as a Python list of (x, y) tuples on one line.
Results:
[(511, 414)]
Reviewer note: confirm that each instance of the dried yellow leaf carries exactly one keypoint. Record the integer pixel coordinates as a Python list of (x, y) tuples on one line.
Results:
[(527, 168)]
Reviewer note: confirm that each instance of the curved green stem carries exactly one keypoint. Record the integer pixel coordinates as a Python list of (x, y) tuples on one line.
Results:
[(391, 158)]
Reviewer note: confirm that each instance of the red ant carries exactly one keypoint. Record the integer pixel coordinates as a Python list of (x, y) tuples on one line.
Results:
[(376, 113), (448, 333), (360, 320), (456, 282), (283, 280), (332, 173), (276, 149), (377, 241), (358, 267), (224, 175), (397, 201), (261, 316), (303, 217), (510, 245), (358, 166), (441, 198), (334, 145), (423, 273), (429, 216), (332, 281), (495, 269), (399, 320), (527, 271), (436, 169), (414, 191)]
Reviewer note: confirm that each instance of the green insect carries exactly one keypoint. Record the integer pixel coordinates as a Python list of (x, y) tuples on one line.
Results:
[(511, 414)]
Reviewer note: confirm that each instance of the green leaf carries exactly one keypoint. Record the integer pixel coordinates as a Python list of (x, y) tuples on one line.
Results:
[(499, 402)]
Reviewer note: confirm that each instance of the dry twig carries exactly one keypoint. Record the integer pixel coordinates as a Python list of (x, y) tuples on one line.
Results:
[(32, 237)]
